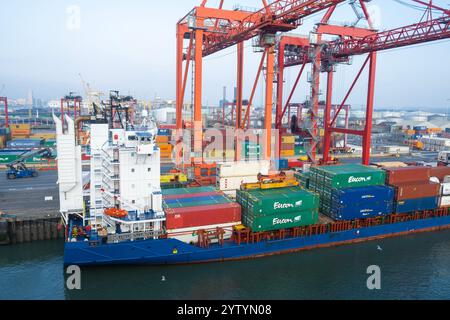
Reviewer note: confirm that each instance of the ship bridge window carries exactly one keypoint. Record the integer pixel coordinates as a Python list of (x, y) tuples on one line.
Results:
[(132, 138)]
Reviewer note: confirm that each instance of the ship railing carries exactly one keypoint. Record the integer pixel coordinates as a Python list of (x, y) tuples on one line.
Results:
[(142, 235)]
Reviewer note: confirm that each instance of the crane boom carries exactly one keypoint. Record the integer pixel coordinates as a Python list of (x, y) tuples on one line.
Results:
[(422, 32), (280, 15)]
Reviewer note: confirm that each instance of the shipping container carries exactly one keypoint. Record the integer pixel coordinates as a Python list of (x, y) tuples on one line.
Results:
[(179, 218), (190, 235), (282, 221), (25, 143), (364, 195), (440, 172), (274, 201), (405, 175), (164, 132), (444, 202), (347, 176), (417, 190), (287, 153), (282, 164), (288, 139), (162, 139), (243, 168), (361, 211), (206, 200), (188, 191), (234, 183), (445, 189), (413, 205)]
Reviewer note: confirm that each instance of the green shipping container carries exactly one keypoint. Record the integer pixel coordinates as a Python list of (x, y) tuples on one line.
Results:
[(348, 176), (276, 201), (282, 221), (171, 192)]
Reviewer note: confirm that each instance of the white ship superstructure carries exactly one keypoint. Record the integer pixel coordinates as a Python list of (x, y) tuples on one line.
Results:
[(124, 200)]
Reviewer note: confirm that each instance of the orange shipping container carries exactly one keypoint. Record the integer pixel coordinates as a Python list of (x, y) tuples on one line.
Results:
[(162, 139), (287, 153)]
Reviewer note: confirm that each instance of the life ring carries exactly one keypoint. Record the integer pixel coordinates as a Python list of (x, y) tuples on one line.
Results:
[(116, 213)]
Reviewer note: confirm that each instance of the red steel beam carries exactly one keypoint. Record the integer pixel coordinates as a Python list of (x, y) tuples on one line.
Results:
[(255, 85), (280, 15)]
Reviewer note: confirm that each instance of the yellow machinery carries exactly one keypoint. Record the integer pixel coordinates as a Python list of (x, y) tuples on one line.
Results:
[(275, 181)]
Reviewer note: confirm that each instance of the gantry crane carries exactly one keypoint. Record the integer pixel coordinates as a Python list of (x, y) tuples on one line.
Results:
[(210, 30)]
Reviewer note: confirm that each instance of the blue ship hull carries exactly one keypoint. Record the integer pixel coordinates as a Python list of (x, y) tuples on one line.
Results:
[(171, 251)]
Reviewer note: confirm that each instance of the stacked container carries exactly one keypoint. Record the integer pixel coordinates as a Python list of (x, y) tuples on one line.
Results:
[(442, 175), (275, 209), (163, 142), (328, 180), (251, 150), (20, 131), (230, 176), (25, 143), (364, 202), (288, 146), (300, 146), (191, 209), (414, 190)]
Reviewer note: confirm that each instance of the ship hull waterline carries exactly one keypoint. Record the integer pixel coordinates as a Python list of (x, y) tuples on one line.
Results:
[(174, 252)]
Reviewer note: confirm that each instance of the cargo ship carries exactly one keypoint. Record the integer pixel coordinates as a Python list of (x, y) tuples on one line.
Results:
[(122, 216)]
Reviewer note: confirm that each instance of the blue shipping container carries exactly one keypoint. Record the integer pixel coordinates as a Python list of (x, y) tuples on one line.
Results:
[(420, 128), (414, 205), (25, 143), (361, 211), (163, 132), (283, 164), (352, 196), (365, 202)]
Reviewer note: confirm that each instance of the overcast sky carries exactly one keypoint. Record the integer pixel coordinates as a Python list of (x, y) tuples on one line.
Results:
[(130, 45)]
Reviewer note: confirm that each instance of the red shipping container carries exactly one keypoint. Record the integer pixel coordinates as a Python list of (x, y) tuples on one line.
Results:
[(180, 218), (417, 190), (408, 174), (440, 172)]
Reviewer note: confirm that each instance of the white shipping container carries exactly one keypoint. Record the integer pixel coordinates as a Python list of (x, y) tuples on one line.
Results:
[(189, 235), (243, 168), (445, 189), (234, 183), (445, 202)]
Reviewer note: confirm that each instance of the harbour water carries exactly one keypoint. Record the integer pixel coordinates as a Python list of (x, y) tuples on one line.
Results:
[(412, 267)]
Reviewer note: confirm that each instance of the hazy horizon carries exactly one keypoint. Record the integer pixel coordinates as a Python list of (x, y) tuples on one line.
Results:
[(130, 46)]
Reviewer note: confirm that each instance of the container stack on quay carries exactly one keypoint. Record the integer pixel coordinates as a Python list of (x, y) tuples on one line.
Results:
[(190, 209), (414, 190), (332, 183), (288, 146), (163, 142), (435, 144), (276, 209), (20, 131), (230, 176), (300, 146)]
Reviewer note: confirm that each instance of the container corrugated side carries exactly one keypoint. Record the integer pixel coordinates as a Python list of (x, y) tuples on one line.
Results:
[(444, 202), (286, 200), (366, 195), (362, 211), (417, 190), (196, 201), (282, 221), (440, 172), (421, 204), (406, 175), (189, 217), (184, 191)]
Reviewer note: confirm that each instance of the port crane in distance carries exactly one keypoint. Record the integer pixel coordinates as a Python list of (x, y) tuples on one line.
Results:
[(17, 168)]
